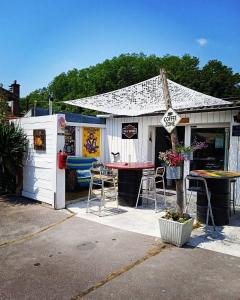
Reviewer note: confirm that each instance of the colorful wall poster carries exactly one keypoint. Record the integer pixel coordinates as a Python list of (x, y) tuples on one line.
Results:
[(91, 142)]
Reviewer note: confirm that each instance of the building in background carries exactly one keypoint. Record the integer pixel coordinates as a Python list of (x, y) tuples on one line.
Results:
[(11, 99)]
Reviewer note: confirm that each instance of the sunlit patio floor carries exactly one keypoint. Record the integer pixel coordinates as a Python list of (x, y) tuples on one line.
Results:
[(144, 220)]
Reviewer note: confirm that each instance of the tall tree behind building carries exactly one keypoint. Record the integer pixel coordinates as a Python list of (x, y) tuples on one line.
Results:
[(213, 79)]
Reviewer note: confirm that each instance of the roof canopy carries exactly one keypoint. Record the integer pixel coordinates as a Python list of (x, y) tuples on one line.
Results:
[(146, 97)]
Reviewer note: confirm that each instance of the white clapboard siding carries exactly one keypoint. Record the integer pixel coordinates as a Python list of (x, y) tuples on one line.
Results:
[(142, 149), (42, 180)]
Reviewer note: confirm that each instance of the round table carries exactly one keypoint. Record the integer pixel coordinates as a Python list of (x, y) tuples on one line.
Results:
[(218, 183), (129, 179)]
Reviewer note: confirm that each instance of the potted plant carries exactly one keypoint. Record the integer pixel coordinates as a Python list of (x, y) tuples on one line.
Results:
[(173, 162), (185, 151), (175, 228)]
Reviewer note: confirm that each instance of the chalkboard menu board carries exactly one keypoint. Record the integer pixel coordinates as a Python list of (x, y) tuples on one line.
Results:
[(69, 140), (236, 130)]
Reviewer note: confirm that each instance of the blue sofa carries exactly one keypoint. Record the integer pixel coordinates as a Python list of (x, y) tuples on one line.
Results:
[(82, 167)]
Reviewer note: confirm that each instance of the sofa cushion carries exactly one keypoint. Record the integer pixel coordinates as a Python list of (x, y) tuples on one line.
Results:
[(80, 163)]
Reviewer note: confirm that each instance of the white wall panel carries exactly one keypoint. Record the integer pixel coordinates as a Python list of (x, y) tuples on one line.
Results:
[(142, 148), (40, 174)]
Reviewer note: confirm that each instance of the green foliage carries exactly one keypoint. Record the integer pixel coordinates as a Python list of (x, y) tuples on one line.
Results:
[(13, 147), (218, 80), (180, 148), (213, 79), (176, 216), (3, 106)]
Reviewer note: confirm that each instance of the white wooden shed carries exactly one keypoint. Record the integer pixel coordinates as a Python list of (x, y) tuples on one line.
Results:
[(43, 180)]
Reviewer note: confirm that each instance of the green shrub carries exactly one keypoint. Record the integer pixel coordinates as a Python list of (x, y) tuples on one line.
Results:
[(13, 147)]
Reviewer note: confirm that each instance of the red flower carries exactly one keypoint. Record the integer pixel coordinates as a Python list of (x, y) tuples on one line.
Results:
[(171, 158)]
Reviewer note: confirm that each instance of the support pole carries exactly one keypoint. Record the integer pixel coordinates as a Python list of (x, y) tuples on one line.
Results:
[(174, 139)]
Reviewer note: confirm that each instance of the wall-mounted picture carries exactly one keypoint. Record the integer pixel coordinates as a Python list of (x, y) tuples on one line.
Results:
[(39, 138), (91, 142), (69, 146), (129, 130)]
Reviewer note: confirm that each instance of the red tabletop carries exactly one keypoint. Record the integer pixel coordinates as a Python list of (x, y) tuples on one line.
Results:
[(130, 166), (215, 174)]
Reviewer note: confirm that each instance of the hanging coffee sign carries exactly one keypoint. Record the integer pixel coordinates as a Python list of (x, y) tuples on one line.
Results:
[(170, 120), (129, 130)]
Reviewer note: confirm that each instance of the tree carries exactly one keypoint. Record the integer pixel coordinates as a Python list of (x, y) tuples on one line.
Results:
[(219, 80), (3, 106), (214, 79)]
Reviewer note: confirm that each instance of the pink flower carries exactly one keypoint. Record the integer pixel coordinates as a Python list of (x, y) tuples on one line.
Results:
[(171, 158)]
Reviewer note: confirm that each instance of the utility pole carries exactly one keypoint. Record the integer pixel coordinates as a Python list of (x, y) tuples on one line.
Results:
[(174, 139), (50, 102)]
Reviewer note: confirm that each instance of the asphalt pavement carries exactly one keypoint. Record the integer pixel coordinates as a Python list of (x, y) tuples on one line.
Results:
[(55, 255)]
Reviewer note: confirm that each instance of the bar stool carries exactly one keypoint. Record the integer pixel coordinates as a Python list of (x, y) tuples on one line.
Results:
[(159, 176), (199, 189), (233, 195), (148, 184), (99, 177)]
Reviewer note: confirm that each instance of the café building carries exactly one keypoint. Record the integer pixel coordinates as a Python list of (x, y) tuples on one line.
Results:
[(134, 128)]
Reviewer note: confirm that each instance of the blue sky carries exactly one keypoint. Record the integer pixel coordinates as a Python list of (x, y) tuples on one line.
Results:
[(40, 39)]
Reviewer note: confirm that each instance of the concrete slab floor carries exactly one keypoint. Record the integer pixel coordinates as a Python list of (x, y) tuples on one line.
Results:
[(144, 220)]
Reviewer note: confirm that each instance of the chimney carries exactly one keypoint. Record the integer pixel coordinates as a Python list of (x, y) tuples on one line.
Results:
[(15, 89)]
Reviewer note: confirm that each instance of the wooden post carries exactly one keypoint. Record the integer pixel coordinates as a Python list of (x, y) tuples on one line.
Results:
[(174, 139)]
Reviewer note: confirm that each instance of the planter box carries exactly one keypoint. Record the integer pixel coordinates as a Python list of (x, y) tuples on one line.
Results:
[(187, 155), (174, 232), (173, 172)]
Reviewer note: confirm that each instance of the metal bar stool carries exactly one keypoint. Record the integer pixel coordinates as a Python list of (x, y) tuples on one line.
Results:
[(159, 176), (99, 177), (148, 185), (233, 195), (199, 189)]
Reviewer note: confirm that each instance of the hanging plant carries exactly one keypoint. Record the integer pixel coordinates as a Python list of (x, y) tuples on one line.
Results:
[(173, 161), (187, 151)]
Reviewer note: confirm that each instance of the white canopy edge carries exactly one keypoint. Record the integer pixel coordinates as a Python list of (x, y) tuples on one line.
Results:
[(146, 97)]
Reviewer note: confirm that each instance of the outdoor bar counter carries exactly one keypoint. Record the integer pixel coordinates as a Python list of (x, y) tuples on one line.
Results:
[(218, 183), (129, 178)]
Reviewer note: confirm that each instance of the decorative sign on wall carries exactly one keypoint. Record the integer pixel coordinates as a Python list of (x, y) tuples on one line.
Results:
[(69, 146), (129, 130), (91, 142), (236, 130), (39, 139), (61, 123), (170, 120)]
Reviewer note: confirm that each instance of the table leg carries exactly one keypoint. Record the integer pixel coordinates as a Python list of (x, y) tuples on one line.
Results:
[(220, 201)]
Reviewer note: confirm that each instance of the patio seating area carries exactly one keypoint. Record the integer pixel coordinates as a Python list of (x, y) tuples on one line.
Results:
[(144, 220)]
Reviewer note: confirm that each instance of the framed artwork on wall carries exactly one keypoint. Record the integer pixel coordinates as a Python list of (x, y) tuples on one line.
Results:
[(130, 131), (39, 139)]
